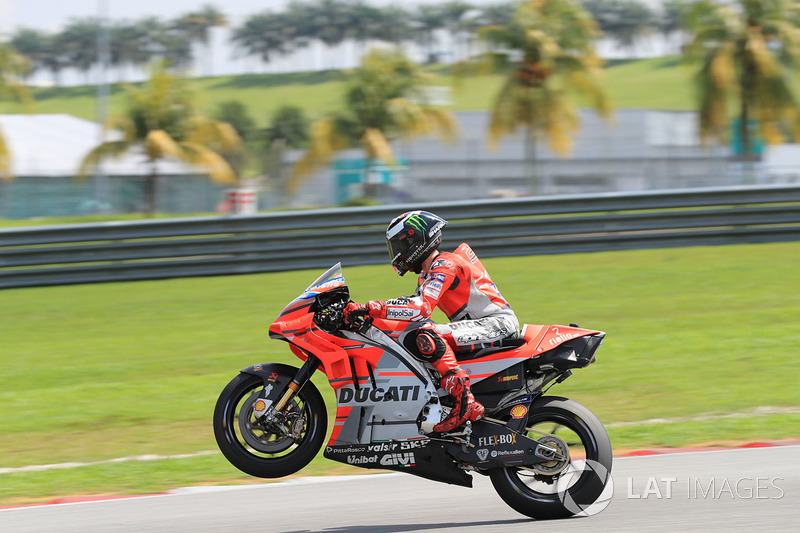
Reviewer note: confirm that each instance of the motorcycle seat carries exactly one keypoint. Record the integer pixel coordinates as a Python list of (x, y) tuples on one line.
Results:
[(505, 345)]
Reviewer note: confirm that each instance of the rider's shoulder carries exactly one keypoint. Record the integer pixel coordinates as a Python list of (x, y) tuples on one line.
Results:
[(444, 262)]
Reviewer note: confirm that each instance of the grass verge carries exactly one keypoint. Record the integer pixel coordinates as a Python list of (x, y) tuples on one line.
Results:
[(95, 372)]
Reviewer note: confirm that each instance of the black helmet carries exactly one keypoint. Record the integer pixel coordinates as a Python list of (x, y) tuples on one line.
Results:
[(411, 238)]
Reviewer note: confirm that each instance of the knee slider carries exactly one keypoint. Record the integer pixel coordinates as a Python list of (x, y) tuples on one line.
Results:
[(429, 346)]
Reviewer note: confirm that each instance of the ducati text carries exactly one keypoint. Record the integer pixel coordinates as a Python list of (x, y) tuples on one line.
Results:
[(368, 395)]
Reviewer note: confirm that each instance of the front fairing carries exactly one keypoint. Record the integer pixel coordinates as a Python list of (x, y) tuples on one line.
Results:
[(332, 279), (299, 314)]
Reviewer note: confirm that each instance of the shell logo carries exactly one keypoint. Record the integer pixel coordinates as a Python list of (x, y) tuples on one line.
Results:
[(260, 405), (519, 411)]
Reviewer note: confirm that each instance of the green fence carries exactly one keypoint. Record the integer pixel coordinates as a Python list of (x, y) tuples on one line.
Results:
[(30, 197)]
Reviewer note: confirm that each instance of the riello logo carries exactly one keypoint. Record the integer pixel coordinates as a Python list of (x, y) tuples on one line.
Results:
[(391, 394), (560, 337)]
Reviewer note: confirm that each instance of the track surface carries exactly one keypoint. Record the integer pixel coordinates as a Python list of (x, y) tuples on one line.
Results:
[(744, 489)]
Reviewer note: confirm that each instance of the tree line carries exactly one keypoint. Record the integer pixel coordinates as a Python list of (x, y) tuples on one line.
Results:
[(270, 34), (744, 54)]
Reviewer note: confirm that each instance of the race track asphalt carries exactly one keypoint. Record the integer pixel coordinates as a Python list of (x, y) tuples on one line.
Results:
[(731, 490)]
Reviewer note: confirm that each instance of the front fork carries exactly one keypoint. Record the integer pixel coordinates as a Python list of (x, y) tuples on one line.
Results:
[(301, 378), (281, 383)]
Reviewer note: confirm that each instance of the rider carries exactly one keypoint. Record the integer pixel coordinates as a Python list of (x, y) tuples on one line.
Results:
[(460, 286)]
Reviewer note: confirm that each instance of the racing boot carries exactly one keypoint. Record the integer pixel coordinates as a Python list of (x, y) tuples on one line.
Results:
[(456, 382)]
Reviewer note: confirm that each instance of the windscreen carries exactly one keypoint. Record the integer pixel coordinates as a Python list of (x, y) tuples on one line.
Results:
[(331, 279)]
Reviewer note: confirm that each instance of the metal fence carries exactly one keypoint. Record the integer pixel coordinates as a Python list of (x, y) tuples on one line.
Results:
[(124, 251)]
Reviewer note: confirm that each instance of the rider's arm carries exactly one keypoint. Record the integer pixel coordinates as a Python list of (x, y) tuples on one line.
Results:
[(421, 304)]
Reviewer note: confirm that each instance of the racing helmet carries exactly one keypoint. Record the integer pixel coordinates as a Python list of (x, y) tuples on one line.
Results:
[(411, 238)]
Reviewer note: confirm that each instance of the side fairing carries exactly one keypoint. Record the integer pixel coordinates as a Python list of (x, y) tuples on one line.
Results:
[(386, 398)]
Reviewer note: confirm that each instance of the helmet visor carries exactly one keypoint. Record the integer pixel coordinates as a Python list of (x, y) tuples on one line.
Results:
[(397, 254)]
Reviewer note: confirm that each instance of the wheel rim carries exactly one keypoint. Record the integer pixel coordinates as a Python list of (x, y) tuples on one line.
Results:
[(267, 440), (550, 478)]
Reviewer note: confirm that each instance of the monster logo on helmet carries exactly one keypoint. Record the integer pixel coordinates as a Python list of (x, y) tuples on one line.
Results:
[(411, 238)]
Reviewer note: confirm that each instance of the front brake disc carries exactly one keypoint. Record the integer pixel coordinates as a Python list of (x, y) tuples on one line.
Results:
[(258, 434)]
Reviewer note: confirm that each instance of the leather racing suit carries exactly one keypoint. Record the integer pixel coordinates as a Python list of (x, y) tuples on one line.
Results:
[(459, 285)]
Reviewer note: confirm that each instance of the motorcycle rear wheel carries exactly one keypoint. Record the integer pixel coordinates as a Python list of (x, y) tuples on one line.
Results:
[(572, 488), (262, 450)]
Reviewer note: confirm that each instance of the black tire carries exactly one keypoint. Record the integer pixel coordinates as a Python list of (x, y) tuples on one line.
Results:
[(256, 450), (542, 496)]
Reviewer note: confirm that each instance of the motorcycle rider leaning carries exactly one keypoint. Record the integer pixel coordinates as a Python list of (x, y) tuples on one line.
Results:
[(460, 286)]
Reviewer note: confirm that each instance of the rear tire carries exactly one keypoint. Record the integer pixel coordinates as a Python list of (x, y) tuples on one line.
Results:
[(261, 450), (569, 491)]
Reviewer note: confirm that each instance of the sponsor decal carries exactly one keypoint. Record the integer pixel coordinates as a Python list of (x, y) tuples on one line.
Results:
[(442, 263), (495, 440), (521, 399), (560, 337), (417, 222), (345, 449), (414, 444), (433, 284), (399, 313), (438, 277), (434, 229), (432, 289), (273, 376), (368, 394), (483, 454), (399, 459), (501, 453), (322, 287), (362, 459), (503, 379), (519, 411), (260, 405)]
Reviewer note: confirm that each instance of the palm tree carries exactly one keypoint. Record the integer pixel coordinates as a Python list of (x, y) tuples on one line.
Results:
[(623, 20), (31, 44), (130, 45), (79, 39), (425, 21), (264, 35), (54, 56), (672, 15), (160, 121), (746, 53), (459, 22), (381, 104), (13, 66), (195, 27), (555, 41)]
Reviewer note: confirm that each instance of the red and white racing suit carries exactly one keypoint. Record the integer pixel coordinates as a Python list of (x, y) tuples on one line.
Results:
[(459, 285)]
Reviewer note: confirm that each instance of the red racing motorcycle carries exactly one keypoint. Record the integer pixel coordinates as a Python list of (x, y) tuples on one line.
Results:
[(547, 456)]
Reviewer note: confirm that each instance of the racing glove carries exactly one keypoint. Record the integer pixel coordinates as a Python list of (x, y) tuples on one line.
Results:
[(352, 312)]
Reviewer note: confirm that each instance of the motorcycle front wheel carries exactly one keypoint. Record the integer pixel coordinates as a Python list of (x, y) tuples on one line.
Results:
[(273, 449), (573, 481)]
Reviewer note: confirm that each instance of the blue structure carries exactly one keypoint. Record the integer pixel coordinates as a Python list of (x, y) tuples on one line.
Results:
[(355, 178)]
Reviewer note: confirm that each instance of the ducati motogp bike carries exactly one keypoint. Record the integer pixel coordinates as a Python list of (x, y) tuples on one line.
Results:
[(547, 456)]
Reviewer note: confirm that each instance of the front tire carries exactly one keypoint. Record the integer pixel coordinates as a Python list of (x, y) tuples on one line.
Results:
[(263, 450), (565, 489)]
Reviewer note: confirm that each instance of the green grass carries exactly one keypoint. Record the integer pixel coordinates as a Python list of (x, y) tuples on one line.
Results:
[(660, 83), (7, 223), (94, 372)]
